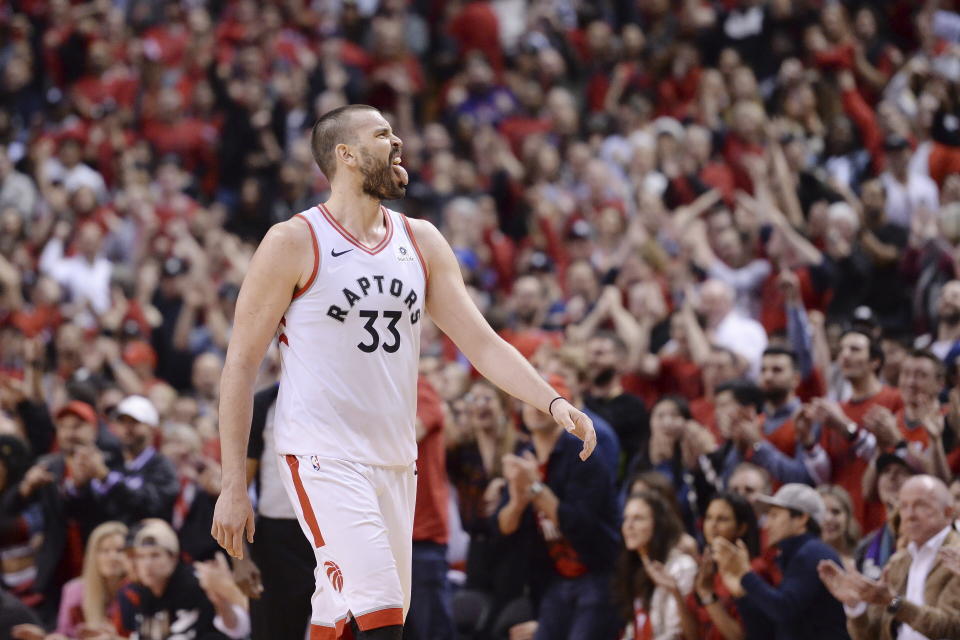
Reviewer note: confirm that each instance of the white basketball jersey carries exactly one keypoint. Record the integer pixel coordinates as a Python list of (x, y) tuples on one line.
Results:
[(350, 345)]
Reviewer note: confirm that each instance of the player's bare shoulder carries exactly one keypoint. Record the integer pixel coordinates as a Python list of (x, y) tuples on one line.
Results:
[(288, 250), (429, 239)]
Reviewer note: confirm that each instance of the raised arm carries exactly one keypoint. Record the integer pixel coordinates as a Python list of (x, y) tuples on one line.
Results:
[(452, 310), (283, 261)]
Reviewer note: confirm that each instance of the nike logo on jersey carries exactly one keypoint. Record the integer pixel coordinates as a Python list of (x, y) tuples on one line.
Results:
[(334, 253)]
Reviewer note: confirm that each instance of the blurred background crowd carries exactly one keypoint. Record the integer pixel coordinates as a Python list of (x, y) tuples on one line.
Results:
[(729, 229)]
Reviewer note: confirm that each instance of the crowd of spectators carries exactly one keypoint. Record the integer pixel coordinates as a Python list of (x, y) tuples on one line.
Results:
[(727, 229)]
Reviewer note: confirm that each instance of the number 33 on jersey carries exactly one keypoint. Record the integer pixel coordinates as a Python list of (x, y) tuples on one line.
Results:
[(350, 345)]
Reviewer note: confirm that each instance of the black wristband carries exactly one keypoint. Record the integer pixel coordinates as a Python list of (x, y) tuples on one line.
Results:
[(550, 406)]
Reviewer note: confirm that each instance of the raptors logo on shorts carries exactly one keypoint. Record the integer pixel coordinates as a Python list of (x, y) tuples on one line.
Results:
[(334, 575)]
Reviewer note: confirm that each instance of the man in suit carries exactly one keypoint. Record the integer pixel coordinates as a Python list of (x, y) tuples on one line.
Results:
[(919, 596)]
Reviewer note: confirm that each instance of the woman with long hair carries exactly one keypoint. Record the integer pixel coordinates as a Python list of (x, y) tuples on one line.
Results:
[(675, 439), (90, 598), (475, 463), (840, 528), (651, 569), (658, 483), (711, 613)]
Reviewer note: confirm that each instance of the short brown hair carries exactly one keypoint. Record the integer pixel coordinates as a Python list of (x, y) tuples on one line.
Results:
[(329, 131)]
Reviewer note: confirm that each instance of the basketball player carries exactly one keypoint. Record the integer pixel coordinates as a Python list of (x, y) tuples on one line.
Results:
[(346, 284)]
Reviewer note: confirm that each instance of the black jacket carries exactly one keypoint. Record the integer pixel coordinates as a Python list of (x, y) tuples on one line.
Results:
[(51, 498), (142, 488), (801, 608), (587, 512), (182, 608)]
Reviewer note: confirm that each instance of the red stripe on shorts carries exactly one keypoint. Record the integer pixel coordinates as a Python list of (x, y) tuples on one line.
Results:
[(308, 515), (318, 632), (381, 618)]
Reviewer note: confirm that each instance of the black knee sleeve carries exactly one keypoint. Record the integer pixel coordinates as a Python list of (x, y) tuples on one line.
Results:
[(392, 632)]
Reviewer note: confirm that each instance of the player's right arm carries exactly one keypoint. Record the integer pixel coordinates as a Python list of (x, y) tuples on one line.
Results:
[(283, 261)]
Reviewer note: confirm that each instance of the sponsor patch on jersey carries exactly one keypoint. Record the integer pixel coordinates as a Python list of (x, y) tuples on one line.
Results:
[(405, 254)]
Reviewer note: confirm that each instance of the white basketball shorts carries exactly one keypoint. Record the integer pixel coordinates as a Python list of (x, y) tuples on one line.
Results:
[(359, 520)]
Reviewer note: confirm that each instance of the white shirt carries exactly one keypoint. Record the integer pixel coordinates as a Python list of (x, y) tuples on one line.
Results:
[(904, 199), (746, 282), (922, 560), (77, 176), (85, 280), (744, 336)]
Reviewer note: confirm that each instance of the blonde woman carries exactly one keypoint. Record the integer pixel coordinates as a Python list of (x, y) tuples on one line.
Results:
[(840, 528), (89, 599)]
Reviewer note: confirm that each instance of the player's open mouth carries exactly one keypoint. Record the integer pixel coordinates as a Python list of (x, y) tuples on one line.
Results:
[(399, 172)]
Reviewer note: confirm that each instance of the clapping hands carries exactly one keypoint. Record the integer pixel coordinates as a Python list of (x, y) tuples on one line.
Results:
[(851, 587)]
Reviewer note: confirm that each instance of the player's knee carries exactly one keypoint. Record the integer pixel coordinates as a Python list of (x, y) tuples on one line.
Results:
[(393, 632)]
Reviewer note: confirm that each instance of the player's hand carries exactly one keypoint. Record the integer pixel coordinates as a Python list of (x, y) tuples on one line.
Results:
[(232, 515), (577, 423)]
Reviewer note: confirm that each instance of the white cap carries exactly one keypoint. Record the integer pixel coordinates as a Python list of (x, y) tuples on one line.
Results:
[(140, 409), (798, 497)]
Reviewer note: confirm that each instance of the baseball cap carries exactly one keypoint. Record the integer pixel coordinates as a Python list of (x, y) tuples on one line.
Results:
[(174, 266), (139, 352), (884, 460), (157, 533), (579, 230), (140, 409), (559, 385), (798, 497), (80, 409), (895, 143)]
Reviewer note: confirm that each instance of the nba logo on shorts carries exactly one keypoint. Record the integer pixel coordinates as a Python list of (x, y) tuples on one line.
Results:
[(315, 461), (404, 254), (334, 575)]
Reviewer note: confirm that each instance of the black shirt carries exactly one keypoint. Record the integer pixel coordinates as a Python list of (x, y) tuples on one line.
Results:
[(183, 610), (588, 516), (627, 415)]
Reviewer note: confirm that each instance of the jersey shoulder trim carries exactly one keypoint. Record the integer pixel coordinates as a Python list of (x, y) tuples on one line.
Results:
[(416, 247), (349, 237), (316, 258)]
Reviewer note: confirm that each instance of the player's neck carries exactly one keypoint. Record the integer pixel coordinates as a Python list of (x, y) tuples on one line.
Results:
[(357, 212)]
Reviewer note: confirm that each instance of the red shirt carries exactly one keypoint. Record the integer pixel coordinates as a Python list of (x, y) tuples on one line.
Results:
[(708, 631), (528, 342), (477, 28), (704, 411), (847, 467), (784, 438), (430, 516)]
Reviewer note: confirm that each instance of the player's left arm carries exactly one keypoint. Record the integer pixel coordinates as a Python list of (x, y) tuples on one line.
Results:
[(451, 308)]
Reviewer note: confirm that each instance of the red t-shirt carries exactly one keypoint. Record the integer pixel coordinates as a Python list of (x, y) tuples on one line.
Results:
[(430, 516), (847, 467), (704, 411), (784, 438), (528, 342)]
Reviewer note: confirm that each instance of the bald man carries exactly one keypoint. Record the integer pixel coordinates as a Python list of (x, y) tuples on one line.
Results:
[(919, 597)]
